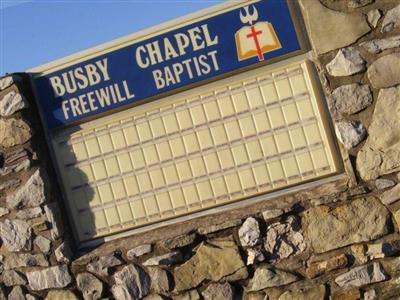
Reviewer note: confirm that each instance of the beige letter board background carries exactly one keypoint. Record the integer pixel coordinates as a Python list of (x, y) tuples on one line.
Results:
[(247, 135)]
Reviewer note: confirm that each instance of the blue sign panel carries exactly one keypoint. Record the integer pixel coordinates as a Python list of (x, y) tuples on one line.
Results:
[(214, 46)]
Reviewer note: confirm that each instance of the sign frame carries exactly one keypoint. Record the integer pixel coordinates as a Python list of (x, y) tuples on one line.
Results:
[(144, 34)]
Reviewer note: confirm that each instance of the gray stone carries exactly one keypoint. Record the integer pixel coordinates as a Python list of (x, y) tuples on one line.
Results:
[(380, 154), (358, 221), (61, 295), (63, 253), (138, 251), (16, 235), (44, 244), (11, 103), (180, 241), (362, 275), (131, 283), (272, 213), (377, 46), (100, 266), (212, 261), (373, 17), (218, 291), (347, 61), (350, 133), (349, 99), (390, 196), (9, 184), (6, 82), (382, 183), (4, 211), (266, 277), (13, 260), (219, 227), (284, 239), (391, 20), (320, 21), (53, 214), (29, 213), (254, 256), (49, 278), (14, 132), (313, 293), (352, 4), (31, 194), (16, 293), (385, 71), (12, 277), (90, 286), (165, 259), (159, 280), (249, 233), (189, 295)]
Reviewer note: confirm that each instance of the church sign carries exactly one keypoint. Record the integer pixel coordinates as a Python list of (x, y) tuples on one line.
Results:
[(199, 115)]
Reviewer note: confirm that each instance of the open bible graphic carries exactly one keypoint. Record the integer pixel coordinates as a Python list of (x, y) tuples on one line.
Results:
[(257, 39)]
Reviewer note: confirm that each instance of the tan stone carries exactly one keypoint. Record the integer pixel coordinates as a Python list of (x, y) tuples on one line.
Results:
[(353, 294), (330, 228), (385, 71), (318, 268), (13, 132), (380, 154), (314, 293), (61, 295), (328, 29), (212, 261)]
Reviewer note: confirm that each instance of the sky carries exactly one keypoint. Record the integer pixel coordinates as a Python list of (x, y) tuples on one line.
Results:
[(34, 32)]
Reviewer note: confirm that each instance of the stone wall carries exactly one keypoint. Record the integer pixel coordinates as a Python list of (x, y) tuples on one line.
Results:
[(340, 241)]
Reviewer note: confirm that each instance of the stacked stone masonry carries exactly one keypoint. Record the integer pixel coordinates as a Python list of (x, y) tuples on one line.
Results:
[(342, 245)]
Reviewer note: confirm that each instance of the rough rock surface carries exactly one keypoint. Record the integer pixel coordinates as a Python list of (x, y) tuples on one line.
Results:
[(218, 227), (44, 244), (180, 241), (361, 220), (218, 291), (362, 275), (350, 133), (272, 213), (12, 277), (284, 239), (385, 71), (377, 46), (212, 261), (4, 211), (100, 266), (29, 213), (380, 154), (390, 196), (63, 253), (349, 99), (165, 259), (254, 256), (14, 132), (52, 277), (320, 21), (159, 280), (314, 293), (14, 260), (249, 232), (373, 17), (31, 194), (16, 293), (11, 103), (347, 61), (131, 283), (391, 20), (189, 295), (382, 183), (90, 286), (61, 295), (266, 277), (318, 268), (16, 235), (138, 251), (6, 82)]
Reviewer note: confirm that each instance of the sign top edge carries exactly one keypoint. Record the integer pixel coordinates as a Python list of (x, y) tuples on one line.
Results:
[(126, 40)]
